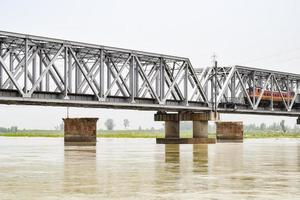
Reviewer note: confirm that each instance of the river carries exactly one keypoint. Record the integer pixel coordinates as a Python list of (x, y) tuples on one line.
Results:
[(43, 168)]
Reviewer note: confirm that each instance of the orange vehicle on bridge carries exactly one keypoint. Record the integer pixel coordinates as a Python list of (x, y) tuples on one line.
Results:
[(267, 95)]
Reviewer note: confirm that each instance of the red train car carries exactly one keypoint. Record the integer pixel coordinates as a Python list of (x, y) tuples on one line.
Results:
[(267, 95)]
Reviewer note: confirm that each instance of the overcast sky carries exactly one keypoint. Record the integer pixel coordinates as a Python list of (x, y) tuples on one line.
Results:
[(257, 33)]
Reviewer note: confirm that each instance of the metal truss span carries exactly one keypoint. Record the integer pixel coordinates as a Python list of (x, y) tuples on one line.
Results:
[(45, 71), (241, 89), (39, 70)]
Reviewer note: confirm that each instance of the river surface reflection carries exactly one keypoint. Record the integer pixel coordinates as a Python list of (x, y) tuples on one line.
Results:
[(43, 168)]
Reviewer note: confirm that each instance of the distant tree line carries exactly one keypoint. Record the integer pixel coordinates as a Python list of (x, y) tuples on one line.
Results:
[(274, 127), (110, 125), (12, 129), (262, 127)]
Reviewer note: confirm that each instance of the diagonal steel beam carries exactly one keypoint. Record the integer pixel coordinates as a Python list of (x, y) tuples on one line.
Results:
[(123, 82), (46, 70), (170, 76), (152, 71), (244, 88), (198, 83), (90, 74), (280, 92), (117, 77), (56, 80), (10, 75), (293, 101), (174, 82), (151, 82), (93, 77), (169, 83), (55, 69), (81, 68), (262, 91), (225, 85), (19, 66), (147, 80)]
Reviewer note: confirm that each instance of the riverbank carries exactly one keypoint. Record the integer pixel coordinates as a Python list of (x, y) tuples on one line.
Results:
[(142, 134)]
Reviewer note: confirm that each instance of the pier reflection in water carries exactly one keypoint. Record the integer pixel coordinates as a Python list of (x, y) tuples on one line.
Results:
[(43, 168), (80, 169)]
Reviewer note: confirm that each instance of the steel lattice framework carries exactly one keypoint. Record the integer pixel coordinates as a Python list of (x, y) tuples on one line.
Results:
[(233, 83), (45, 71)]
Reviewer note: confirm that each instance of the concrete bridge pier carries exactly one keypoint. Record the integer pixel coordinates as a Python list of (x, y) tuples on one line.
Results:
[(80, 131), (200, 129), (172, 127)]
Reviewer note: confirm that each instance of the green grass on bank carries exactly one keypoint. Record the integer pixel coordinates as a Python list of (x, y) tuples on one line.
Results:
[(271, 135), (141, 134), (32, 134), (138, 134)]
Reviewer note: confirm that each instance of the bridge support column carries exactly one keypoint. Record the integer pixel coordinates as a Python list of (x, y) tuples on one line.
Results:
[(200, 129), (229, 131), (80, 131), (172, 127)]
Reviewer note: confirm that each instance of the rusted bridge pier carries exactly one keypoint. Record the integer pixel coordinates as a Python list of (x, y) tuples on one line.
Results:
[(80, 131), (229, 131)]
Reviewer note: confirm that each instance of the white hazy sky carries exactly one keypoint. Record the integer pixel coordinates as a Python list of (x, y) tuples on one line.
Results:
[(258, 33)]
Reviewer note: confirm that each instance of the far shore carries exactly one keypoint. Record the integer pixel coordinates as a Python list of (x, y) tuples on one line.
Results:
[(143, 134)]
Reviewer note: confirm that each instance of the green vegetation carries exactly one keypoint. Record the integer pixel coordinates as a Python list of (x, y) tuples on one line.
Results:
[(137, 134), (31, 134), (140, 134), (271, 135)]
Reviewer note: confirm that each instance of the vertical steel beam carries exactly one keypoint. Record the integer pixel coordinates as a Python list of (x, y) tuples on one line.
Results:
[(216, 88), (1, 70), (162, 79), (132, 79), (212, 90), (272, 89), (34, 69), (77, 72), (186, 76), (288, 90), (79, 76), (136, 81), (70, 71), (233, 88), (253, 89), (108, 76), (11, 68), (41, 67), (66, 73), (101, 81), (48, 81), (157, 80), (47, 78), (26, 66)]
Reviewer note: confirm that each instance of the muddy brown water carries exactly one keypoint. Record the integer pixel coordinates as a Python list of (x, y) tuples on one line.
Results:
[(43, 168)]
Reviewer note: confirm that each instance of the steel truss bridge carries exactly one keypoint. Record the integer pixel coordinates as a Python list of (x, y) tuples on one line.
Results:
[(45, 71)]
